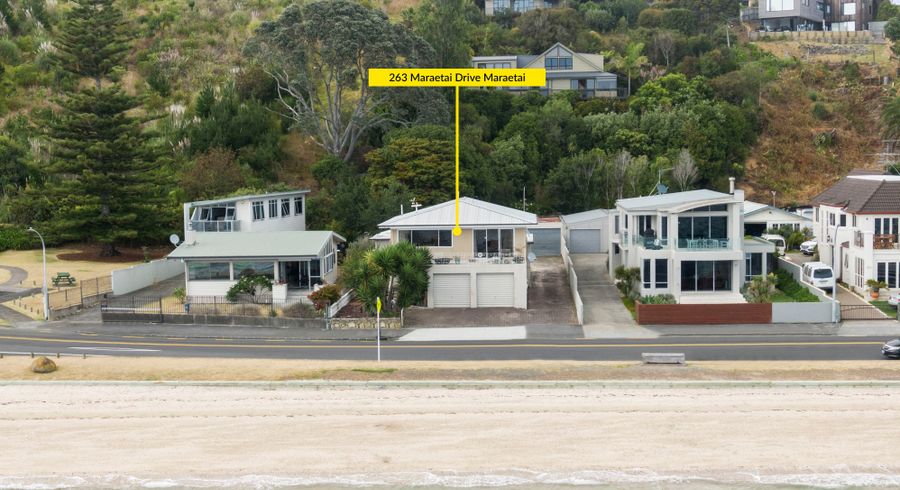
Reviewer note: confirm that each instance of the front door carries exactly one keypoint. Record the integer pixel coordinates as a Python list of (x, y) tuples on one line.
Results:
[(292, 274)]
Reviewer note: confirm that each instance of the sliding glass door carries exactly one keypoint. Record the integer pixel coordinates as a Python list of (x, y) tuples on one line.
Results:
[(706, 275)]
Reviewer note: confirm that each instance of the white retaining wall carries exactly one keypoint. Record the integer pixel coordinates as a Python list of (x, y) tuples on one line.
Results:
[(140, 276), (573, 280)]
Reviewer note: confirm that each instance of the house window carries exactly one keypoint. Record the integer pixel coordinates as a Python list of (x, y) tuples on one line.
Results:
[(848, 8), (558, 63), (616, 223), (329, 257), (753, 265), (273, 208), (662, 273), (315, 272), (701, 228), (664, 233), (817, 215), (298, 205), (779, 5), (860, 269), (209, 271), (428, 238), (258, 211), (831, 219), (887, 226), (242, 269), (843, 220), (285, 208), (854, 221), (646, 274), (888, 272), (491, 243)]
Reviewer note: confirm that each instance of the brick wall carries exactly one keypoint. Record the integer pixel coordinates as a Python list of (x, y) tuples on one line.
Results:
[(723, 314)]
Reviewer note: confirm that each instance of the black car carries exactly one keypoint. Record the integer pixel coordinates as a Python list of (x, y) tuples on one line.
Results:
[(891, 348)]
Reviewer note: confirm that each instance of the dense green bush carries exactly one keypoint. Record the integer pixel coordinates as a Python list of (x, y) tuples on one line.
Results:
[(796, 291), (658, 299), (14, 238)]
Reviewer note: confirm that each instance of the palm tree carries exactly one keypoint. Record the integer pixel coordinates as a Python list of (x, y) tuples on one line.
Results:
[(630, 61), (398, 274)]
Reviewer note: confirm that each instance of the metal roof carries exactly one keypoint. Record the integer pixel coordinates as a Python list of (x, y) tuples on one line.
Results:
[(472, 212), (255, 244), (270, 195), (860, 193), (752, 208), (583, 216), (381, 235), (673, 200)]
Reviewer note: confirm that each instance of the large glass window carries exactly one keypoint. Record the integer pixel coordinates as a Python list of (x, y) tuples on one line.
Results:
[(273, 208), (753, 265), (848, 8), (706, 275), (209, 271), (298, 205), (662, 273), (285, 208), (315, 272), (242, 269), (779, 5), (258, 211), (694, 228), (428, 238), (888, 272), (492, 243), (558, 63), (647, 274)]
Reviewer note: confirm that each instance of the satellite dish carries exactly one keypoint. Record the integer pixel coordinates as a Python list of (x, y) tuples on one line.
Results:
[(174, 239), (662, 188)]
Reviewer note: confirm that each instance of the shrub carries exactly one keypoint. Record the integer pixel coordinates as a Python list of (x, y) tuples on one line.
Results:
[(9, 52), (760, 289), (251, 285), (820, 112), (179, 294), (658, 299), (13, 238), (789, 286), (325, 295), (626, 280)]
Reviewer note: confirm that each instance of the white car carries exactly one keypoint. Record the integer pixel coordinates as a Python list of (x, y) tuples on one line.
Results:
[(894, 298), (819, 275), (809, 247)]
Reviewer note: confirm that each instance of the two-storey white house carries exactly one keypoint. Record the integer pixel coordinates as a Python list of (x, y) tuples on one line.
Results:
[(857, 225), (266, 234), (688, 244), (486, 266)]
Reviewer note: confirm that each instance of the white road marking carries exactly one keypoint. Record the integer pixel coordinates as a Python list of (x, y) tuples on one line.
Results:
[(116, 349)]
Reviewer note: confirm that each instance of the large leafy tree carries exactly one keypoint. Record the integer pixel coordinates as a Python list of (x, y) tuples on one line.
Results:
[(319, 55), (420, 158), (630, 61), (444, 24), (93, 39), (13, 165), (102, 171)]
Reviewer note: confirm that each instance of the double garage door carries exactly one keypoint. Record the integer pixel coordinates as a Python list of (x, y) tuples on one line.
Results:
[(585, 241), (454, 290)]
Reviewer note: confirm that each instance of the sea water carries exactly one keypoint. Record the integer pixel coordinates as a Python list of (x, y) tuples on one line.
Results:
[(514, 480)]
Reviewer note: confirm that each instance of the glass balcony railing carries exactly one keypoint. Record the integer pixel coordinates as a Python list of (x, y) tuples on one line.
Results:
[(700, 244), (215, 226)]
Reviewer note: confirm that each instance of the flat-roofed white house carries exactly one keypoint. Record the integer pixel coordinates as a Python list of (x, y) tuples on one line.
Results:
[(486, 266), (760, 217), (688, 244), (566, 70), (492, 7), (275, 211), (266, 234)]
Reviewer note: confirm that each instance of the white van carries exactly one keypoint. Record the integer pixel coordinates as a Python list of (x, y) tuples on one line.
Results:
[(819, 275), (778, 240)]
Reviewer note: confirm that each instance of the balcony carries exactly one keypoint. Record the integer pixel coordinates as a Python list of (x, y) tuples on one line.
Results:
[(214, 226), (750, 14), (703, 244), (885, 242), (491, 258)]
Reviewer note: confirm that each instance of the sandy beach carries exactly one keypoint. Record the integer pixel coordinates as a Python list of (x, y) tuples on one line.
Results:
[(102, 432)]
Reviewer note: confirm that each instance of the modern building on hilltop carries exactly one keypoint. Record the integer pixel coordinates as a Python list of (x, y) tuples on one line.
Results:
[(857, 225), (688, 244), (566, 70), (486, 266), (492, 7), (814, 15)]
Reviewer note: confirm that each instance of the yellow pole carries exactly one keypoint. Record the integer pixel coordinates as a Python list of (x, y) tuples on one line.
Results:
[(457, 230)]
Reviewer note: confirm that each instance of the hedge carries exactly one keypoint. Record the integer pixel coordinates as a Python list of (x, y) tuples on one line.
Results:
[(12, 238)]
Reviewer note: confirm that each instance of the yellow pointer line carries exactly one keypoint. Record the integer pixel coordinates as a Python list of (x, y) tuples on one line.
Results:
[(439, 346), (457, 231)]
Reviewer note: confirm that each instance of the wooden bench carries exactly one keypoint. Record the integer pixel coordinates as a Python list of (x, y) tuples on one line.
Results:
[(63, 278)]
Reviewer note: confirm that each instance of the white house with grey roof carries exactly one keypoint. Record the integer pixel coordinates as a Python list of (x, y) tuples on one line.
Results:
[(759, 217), (688, 244), (566, 70), (265, 234), (485, 266)]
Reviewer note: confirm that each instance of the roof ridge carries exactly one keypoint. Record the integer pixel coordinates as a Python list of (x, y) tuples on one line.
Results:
[(475, 202)]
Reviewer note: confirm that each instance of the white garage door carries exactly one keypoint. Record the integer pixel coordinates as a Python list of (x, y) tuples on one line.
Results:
[(587, 241), (451, 291), (496, 290)]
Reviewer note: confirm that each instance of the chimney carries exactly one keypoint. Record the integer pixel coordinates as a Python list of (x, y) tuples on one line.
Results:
[(731, 185)]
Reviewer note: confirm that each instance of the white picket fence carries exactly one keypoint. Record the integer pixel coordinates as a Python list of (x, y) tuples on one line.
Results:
[(340, 303)]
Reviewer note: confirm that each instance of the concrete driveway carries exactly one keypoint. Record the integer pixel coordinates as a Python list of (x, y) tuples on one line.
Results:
[(604, 314)]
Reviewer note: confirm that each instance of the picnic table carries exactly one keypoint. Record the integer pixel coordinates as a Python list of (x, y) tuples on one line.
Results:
[(63, 278)]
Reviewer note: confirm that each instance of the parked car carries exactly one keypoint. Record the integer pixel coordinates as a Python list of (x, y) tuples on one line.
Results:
[(778, 240), (808, 247), (894, 298), (819, 275), (891, 348)]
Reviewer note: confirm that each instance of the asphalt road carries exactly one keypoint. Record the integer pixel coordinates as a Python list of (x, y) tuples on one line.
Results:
[(696, 349)]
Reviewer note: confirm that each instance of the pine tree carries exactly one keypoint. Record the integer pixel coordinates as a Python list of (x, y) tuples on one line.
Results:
[(93, 39), (102, 172)]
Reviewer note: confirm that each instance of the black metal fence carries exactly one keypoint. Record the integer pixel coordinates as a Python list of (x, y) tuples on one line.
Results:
[(158, 308)]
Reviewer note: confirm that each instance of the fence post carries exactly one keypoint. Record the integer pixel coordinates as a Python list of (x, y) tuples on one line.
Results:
[(215, 306), (161, 318), (81, 289)]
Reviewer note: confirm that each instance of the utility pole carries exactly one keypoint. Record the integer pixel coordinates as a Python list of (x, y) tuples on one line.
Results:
[(523, 198)]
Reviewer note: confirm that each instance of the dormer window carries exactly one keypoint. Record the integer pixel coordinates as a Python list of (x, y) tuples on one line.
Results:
[(558, 63)]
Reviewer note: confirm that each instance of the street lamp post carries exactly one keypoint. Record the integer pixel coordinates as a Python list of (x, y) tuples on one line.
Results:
[(44, 287)]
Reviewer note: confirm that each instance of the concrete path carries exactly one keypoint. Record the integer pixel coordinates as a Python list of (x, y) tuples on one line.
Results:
[(17, 275), (604, 314), (14, 288), (452, 334)]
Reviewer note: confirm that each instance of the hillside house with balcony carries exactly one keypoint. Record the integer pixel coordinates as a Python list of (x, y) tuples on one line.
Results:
[(486, 266), (688, 244), (265, 234), (492, 7), (857, 224), (566, 70)]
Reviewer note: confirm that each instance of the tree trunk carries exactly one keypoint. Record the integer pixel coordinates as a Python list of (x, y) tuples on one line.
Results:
[(109, 250)]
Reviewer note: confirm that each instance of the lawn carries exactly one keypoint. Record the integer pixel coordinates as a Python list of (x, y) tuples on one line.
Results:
[(82, 268), (889, 310)]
